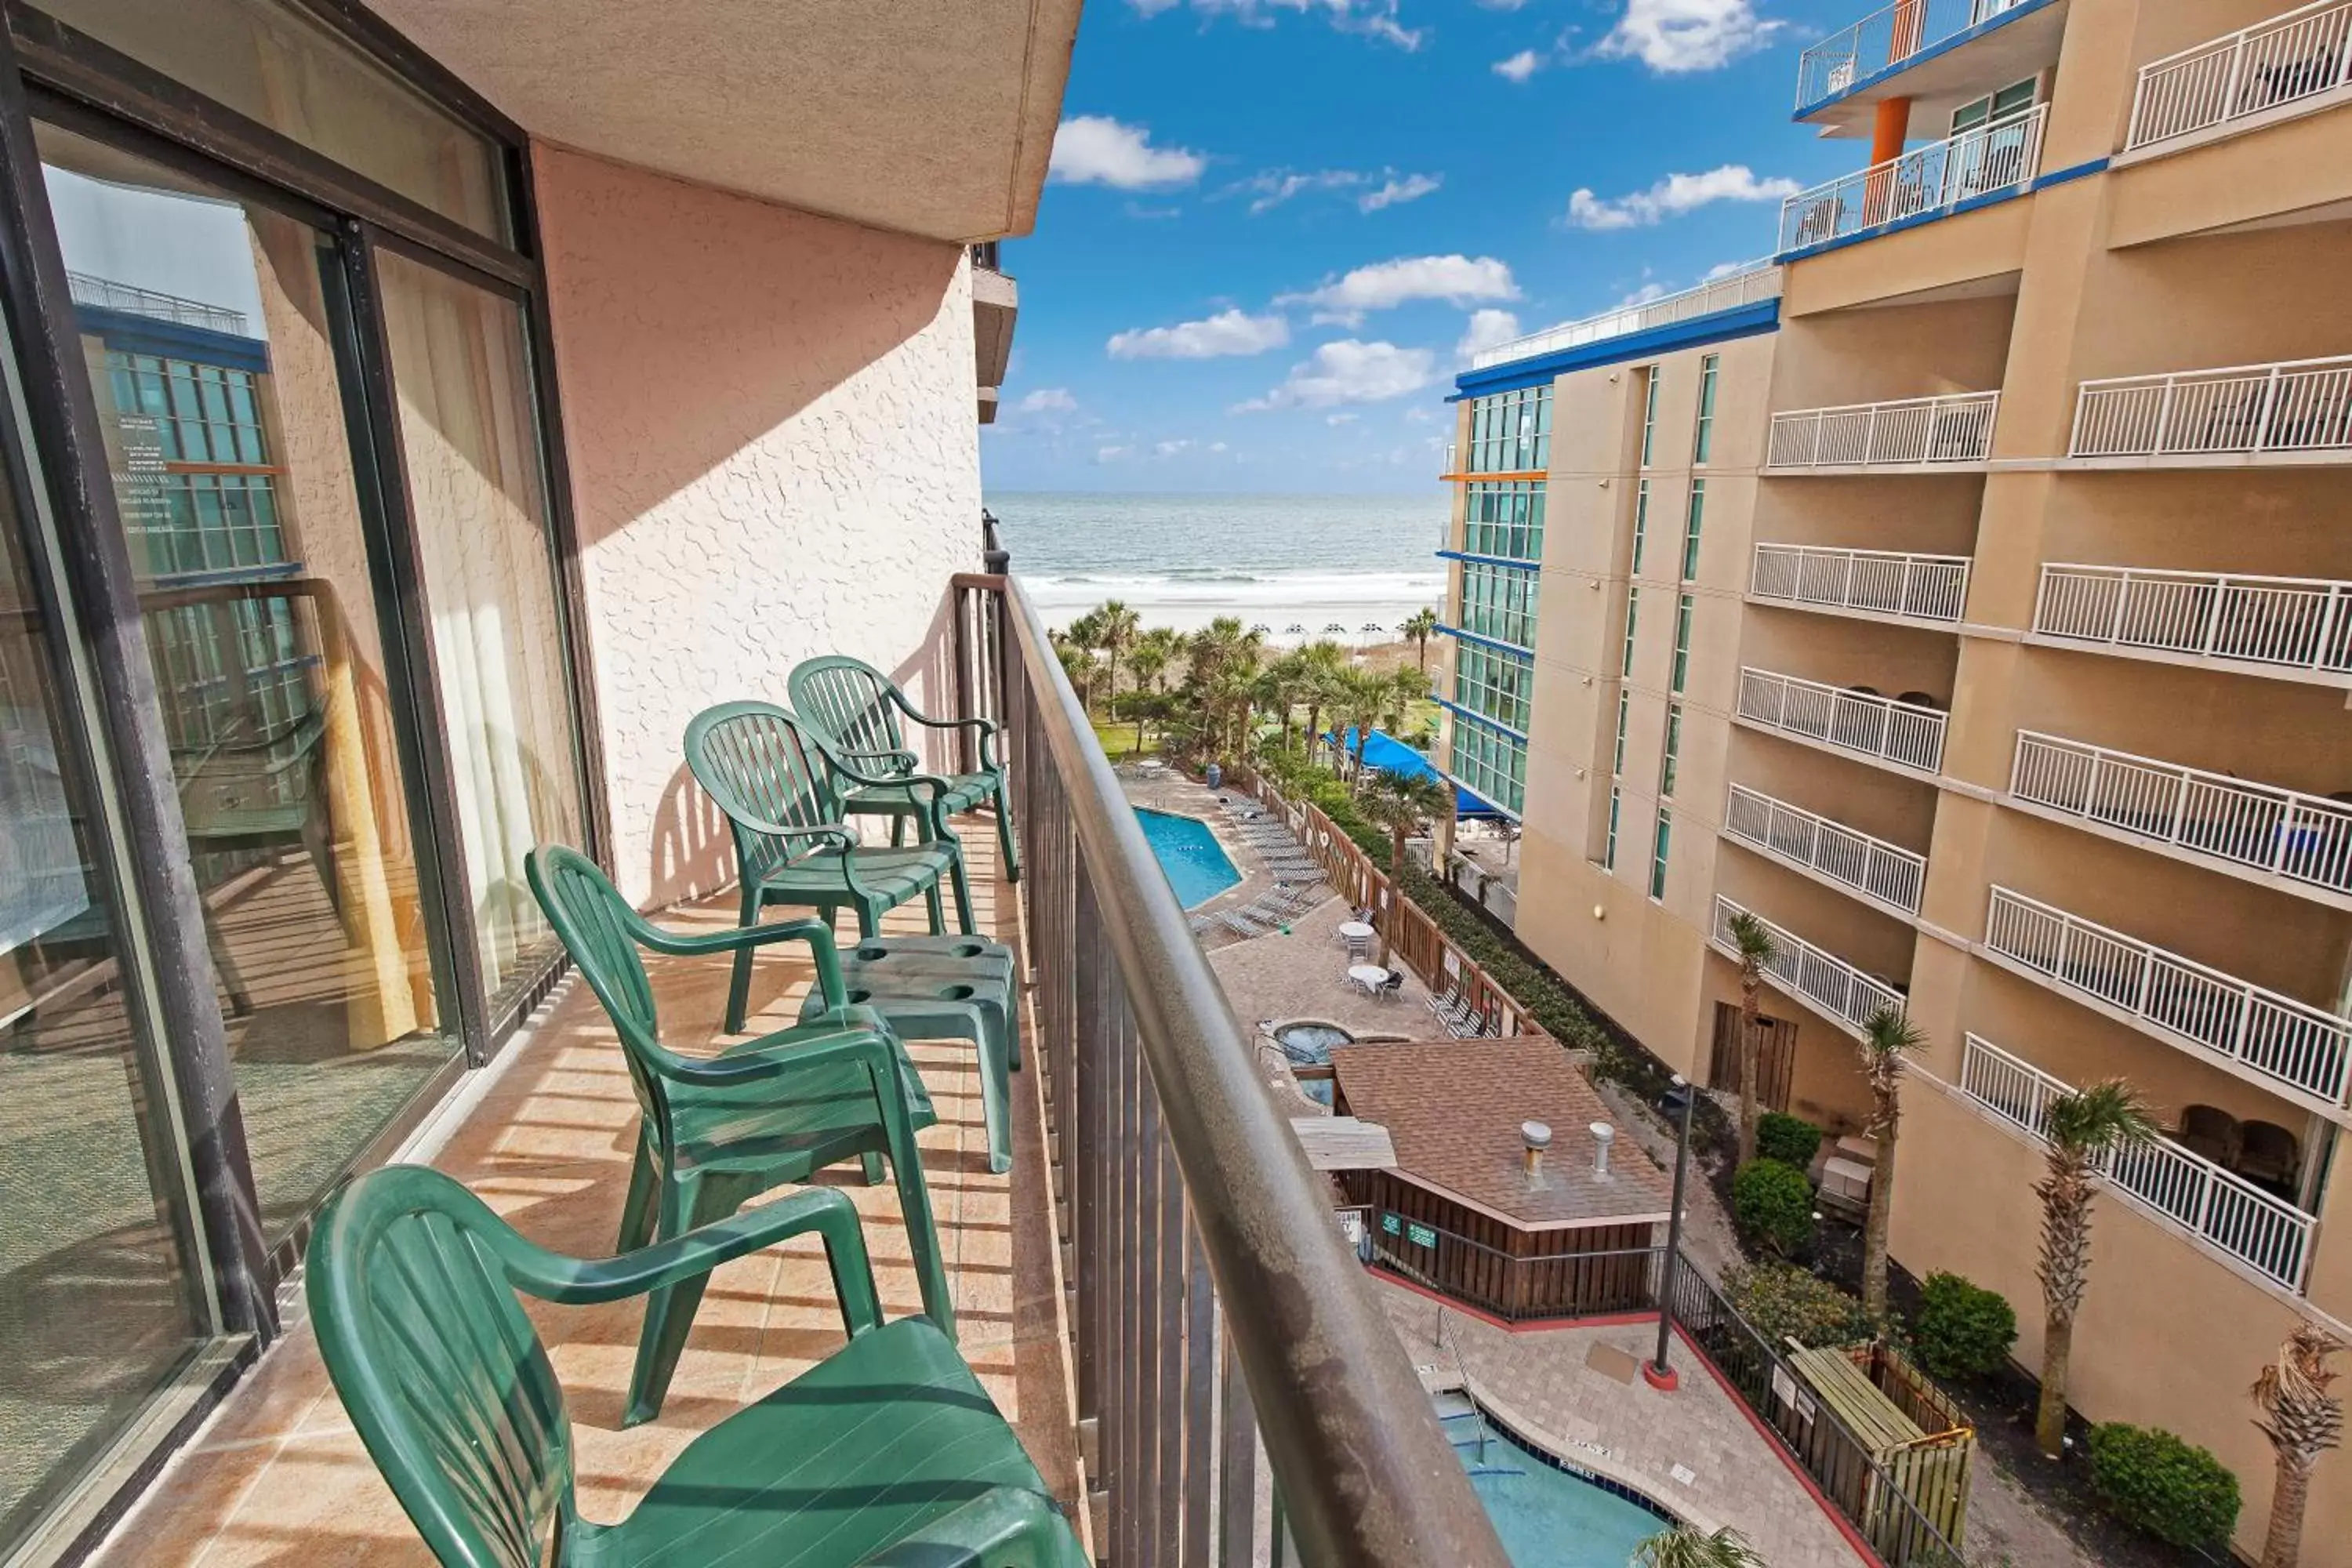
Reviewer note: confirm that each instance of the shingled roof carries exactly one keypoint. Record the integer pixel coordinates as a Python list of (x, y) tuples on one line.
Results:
[(1452, 1108)]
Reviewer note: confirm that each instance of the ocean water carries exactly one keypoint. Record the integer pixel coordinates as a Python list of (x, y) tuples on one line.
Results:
[(1308, 563)]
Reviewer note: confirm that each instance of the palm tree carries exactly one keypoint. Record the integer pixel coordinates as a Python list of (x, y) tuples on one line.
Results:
[(1358, 699), (1148, 660), (1888, 1037), (1084, 635), (1756, 949), (1117, 626), (1321, 664), (1406, 687), (2082, 1128), (2302, 1421), (1404, 804), (1685, 1547), (1420, 627)]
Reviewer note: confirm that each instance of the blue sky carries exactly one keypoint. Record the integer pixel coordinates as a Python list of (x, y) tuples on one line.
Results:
[(1272, 223)]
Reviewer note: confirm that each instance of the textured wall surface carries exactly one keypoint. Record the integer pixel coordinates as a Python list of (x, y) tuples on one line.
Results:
[(774, 453)]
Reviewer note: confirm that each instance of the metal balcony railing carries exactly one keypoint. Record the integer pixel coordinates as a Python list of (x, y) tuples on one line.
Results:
[(1951, 429), (2304, 838), (1215, 1304), (1828, 982), (1747, 285), (1878, 582), (1884, 38), (2217, 1207), (2294, 405), (1908, 734), (1979, 161), (2299, 55), (109, 295), (2176, 998), (2286, 623), (1884, 873)]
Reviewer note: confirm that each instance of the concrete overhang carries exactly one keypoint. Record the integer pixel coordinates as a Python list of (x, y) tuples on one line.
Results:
[(2008, 47), (995, 306), (933, 119)]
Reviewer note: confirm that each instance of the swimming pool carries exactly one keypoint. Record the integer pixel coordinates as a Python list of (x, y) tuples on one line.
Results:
[(1196, 864), (1548, 1517)]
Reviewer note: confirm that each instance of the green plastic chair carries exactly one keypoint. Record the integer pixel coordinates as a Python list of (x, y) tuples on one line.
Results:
[(781, 791), (859, 708), (716, 1132), (888, 1451)]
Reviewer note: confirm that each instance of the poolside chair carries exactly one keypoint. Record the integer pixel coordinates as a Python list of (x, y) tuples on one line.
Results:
[(859, 710), (887, 1451), (714, 1132), (781, 790), (1239, 922), (1358, 948), (1393, 987)]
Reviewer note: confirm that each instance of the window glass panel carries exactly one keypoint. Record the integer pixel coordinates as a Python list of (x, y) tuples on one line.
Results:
[(1641, 521), (462, 374), (276, 699), (1691, 528), (1705, 437), (1658, 853), (1682, 610), (1672, 762), (1649, 411), (1609, 850), (1632, 614), (1510, 431), (270, 63)]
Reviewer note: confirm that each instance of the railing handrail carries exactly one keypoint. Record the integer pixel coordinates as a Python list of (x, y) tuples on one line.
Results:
[(1882, 173), (1367, 1476), (1930, 401), (1846, 44), (2317, 803), (2230, 40), (1636, 318), (1788, 945), (112, 294), (1911, 557), (1846, 692), (2174, 574), (1872, 842), (2125, 939), (2159, 377)]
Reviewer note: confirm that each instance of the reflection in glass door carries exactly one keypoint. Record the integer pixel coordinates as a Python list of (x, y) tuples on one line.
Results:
[(209, 327)]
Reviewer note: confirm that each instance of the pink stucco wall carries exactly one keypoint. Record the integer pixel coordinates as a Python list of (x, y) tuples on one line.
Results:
[(774, 453)]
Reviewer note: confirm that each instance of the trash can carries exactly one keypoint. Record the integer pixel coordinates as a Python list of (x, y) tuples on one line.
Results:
[(1216, 776)]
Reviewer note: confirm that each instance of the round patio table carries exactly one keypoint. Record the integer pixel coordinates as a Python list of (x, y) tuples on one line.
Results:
[(1371, 976), (1355, 931)]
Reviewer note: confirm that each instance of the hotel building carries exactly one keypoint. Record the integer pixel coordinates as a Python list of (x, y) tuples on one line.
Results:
[(1966, 592)]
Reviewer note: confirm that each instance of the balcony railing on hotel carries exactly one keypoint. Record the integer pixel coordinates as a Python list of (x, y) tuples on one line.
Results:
[(2290, 623), (1215, 1303), (2176, 998), (1979, 162), (1884, 873), (1924, 588), (1903, 732), (2299, 55), (1953, 429), (2218, 1207), (106, 294), (1881, 39), (1828, 982), (2294, 405), (2302, 837), (1751, 283)]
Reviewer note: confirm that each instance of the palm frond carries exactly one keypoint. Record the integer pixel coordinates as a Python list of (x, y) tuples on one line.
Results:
[(2099, 1117)]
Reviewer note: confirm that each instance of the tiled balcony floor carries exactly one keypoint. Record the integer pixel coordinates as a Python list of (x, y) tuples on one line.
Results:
[(279, 1477)]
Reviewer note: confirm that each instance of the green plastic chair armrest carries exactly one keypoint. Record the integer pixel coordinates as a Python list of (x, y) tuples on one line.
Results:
[(750, 1064), (896, 758), (987, 727), (1004, 1527), (817, 933)]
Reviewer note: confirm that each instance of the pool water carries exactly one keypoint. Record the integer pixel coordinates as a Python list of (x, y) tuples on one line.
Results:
[(1547, 1518), (1196, 865)]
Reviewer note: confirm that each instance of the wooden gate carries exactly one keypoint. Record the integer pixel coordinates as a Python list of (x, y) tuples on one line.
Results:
[(1776, 1057)]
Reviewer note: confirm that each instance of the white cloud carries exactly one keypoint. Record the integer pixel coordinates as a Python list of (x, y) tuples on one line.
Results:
[(1110, 454), (1272, 187), (1048, 400), (1216, 446), (1227, 333), (1374, 18), (1338, 419), (1411, 188), (1520, 67), (1096, 150), (1417, 414), (1673, 195), (1349, 371), (1457, 279), (1145, 210), (1484, 331), (1672, 37)]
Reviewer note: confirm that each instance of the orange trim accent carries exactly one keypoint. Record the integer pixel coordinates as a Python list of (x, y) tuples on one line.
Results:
[(1889, 129)]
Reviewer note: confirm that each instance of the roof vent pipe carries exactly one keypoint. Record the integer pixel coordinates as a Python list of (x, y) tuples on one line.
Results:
[(1536, 1137), (1602, 1136)]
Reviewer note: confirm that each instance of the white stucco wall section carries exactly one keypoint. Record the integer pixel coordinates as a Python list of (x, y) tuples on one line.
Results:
[(770, 423)]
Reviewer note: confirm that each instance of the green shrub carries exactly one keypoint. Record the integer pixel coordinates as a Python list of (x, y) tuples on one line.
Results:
[(1962, 1329), (1772, 1203), (1791, 1140), (1782, 1301), (2174, 1490)]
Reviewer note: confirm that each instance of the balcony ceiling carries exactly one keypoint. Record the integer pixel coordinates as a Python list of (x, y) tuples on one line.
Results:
[(1942, 81), (933, 119)]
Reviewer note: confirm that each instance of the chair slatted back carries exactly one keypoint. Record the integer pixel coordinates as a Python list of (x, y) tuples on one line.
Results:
[(593, 920), (854, 703), (441, 1372), (760, 763)]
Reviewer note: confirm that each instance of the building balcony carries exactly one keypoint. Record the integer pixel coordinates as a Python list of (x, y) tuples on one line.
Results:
[(2265, 832), (2294, 412), (2288, 1046), (1924, 433), (1980, 165), (1878, 583), (1905, 732), (1751, 284), (2215, 1208), (1871, 869), (1824, 980), (2294, 64), (995, 307), (1933, 46), (2291, 628)]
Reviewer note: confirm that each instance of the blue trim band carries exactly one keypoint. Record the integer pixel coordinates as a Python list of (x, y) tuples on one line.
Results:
[(1478, 718), (1521, 561), (1720, 326), (1497, 643), (137, 334), (1943, 45)]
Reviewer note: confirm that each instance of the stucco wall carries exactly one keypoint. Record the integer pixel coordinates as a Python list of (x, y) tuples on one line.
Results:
[(774, 454)]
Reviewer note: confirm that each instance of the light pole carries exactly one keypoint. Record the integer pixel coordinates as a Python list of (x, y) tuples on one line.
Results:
[(1657, 1373)]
